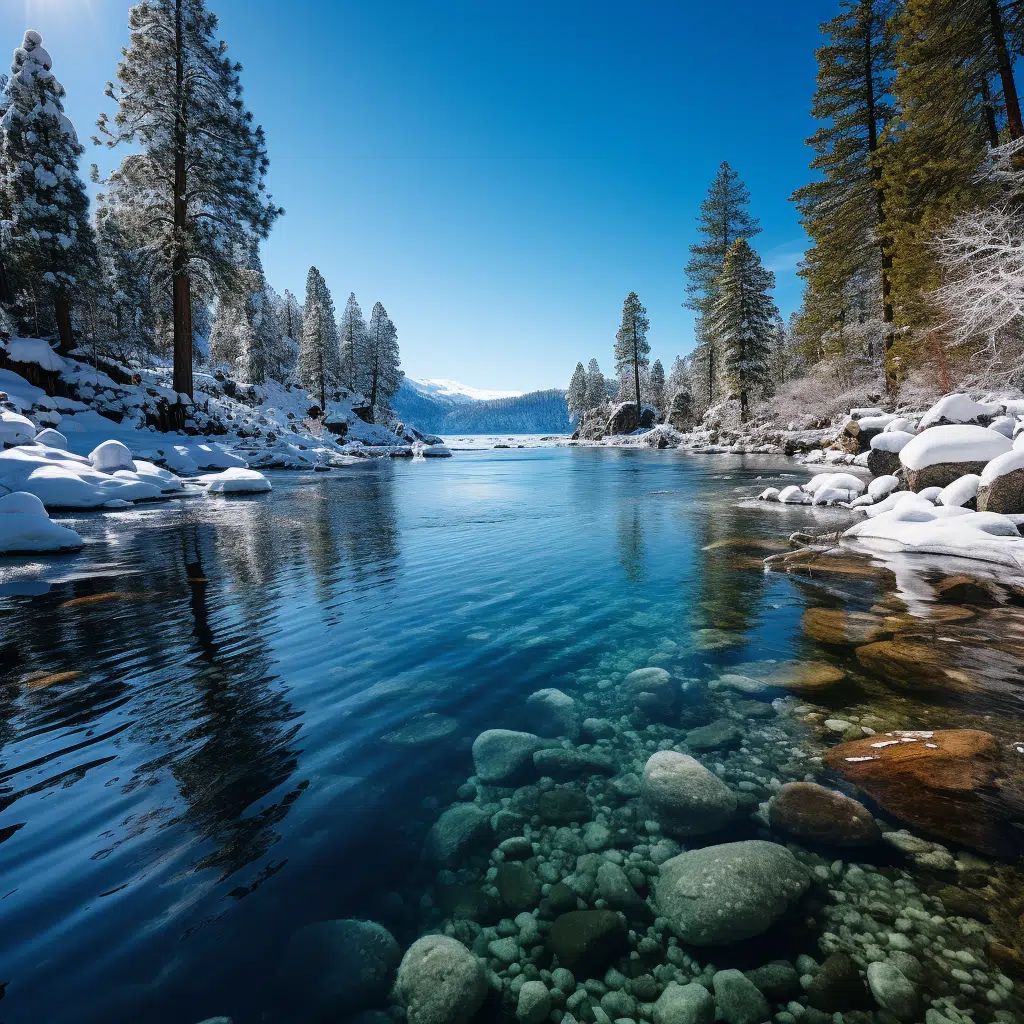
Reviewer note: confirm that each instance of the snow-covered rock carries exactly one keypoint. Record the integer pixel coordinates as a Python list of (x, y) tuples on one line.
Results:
[(236, 481), (938, 456), (930, 494), (25, 526), (769, 494), (883, 486), (794, 495), (111, 456), (961, 491), (52, 438), (1004, 424), (960, 408), (1001, 486), (15, 428), (34, 350), (832, 488), (904, 424), (884, 453)]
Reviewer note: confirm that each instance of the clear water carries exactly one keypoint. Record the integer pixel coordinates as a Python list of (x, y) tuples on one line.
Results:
[(212, 720)]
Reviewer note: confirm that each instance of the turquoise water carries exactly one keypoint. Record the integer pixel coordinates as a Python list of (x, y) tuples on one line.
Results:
[(226, 719)]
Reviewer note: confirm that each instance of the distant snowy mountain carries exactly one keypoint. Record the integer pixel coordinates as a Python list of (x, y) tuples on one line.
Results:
[(446, 388), (442, 406)]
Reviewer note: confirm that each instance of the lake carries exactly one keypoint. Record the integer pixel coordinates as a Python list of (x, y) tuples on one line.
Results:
[(225, 719)]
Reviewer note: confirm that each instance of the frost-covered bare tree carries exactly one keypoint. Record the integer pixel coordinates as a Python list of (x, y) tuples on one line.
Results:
[(196, 185)]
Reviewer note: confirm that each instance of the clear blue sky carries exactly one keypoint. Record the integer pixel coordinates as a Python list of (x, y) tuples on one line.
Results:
[(498, 174)]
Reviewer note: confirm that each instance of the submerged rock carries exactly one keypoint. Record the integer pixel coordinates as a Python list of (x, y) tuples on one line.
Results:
[(810, 811), (587, 941), (558, 763), (440, 982), (738, 1000), (552, 713), (684, 1004), (913, 663), (457, 830), (722, 734), (806, 677), (534, 1003), (722, 894), (502, 756), (892, 991), (336, 968), (840, 628), (838, 986), (929, 779), (687, 799), (518, 887), (653, 690)]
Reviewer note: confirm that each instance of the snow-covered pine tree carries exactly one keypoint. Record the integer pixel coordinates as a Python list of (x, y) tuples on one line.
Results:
[(379, 361), (745, 318), (724, 217), (226, 332), (49, 247), (656, 385), (197, 185), (597, 390), (352, 331), (129, 320), (319, 366), (631, 345), (289, 318), (678, 380), (576, 396)]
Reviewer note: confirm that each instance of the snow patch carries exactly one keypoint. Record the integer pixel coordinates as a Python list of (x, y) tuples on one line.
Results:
[(953, 443)]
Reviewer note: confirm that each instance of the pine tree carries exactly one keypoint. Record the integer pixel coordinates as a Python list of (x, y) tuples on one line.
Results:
[(678, 380), (745, 320), (197, 184), (724, 217), (938, 144), (576, 396), (597, 390), (352, 331), (226, 332), (631, 346), (656, 385), (379, 360), (843, 211), (289, 318), (319, 366), (49, 246)]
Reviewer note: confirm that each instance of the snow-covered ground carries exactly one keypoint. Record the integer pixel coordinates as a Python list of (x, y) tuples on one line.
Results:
[(97, 442)]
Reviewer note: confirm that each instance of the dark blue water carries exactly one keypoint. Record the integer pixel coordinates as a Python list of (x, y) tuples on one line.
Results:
[(227, 718)]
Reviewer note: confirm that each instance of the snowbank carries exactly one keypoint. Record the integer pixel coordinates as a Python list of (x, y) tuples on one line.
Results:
[(236, 481), (949, 444), (111, 456), (34, 350), (882, 486), (25, 526)]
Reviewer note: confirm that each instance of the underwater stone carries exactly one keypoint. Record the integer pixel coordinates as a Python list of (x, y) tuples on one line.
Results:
[(777, 980), (336, 968), (688, 799), (722, 734), (810, 811), (586, 941), (518, 887), (440, 982), (503, 756), (458, 829), (560, 764), (534, 1003), (552, 713), (722, 894), (838, 986), (684, 1004), (893, 992), (738, 1000)]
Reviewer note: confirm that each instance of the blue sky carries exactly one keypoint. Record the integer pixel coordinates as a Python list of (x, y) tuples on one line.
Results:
[(499, 175)]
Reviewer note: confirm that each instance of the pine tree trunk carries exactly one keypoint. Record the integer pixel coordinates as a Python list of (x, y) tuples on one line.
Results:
[(62, 309), (1010, 97), (990, 114), (5, 285), (636, 372), (888, 316), (181, 282)]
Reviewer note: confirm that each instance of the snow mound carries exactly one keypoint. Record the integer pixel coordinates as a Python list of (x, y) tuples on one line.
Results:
[(52, 438), (953, 443), (891, 441), (1009, 462), (15, 428), (793, 495), (915, 527), (959, 408), (236, 481), (111, 456), (25, 526), (903, 424), (34, 350), (883, 486), (960, 491), (1004, 424)]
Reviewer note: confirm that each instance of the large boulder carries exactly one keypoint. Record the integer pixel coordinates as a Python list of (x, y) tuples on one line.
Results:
[(940, 455), (1001, 486), (440, 982), (809, 811), (505, 757), (686, 798), (723, 894), (457, 831), (684, 1004), (840, 628), (930, 779), (738, 1000), (915, 664), (681, 413), (333, 969), (624, 418), (653, 690), (959, 408), (884, 452)]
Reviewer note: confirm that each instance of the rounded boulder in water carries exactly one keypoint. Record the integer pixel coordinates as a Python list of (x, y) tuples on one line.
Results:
[(552, 713), (684, 1004), (687, 799), (440, 982), (723, 894), (336, 968), (503, 757)]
